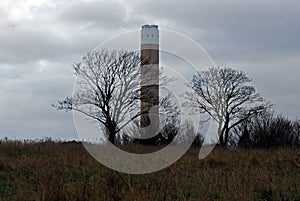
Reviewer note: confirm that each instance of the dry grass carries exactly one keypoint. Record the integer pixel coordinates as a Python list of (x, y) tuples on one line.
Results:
[(65, 171)]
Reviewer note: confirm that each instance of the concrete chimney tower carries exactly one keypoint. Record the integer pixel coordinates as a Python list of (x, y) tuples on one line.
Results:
[(150, 77)]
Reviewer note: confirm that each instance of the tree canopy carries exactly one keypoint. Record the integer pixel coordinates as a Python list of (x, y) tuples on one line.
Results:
[(226, 95)]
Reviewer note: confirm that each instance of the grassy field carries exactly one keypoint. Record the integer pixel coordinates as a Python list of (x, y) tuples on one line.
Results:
[(65, 171)]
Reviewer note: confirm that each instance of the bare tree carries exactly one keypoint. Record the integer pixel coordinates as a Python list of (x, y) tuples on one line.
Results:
[(107, 89), (226, 95)]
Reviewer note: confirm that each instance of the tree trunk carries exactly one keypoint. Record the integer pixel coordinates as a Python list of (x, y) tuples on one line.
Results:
[(111, 132), (111, 137), (226, 136), (226, 131), (221, 139), (220, 133)]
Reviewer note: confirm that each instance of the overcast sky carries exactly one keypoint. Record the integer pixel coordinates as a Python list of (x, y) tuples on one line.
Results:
[(41, 39)]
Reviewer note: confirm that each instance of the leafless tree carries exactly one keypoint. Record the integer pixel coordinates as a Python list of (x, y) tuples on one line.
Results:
[(226, 95), (107, 89)]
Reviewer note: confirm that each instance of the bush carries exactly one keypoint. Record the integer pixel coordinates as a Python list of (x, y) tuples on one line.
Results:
[(268, 130)]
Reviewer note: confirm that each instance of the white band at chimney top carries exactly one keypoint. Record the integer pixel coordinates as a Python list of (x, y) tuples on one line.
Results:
[(150, 35)]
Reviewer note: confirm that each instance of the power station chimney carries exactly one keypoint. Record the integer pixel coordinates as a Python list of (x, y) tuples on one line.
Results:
[(150, 78)]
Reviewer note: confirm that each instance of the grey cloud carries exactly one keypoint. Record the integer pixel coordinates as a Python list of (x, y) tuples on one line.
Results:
[(26, 105), (28, 44), (107, 14), (233, 25), (54, 38), (277, 80)]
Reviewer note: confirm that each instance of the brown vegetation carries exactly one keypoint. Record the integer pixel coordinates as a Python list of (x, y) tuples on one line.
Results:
[(50, 170)]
